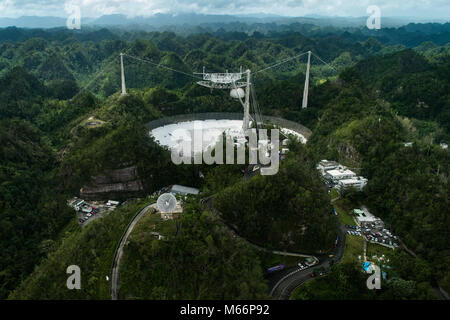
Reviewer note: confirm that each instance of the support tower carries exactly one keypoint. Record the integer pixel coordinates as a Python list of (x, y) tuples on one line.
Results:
[(122, 74), (306, 89)]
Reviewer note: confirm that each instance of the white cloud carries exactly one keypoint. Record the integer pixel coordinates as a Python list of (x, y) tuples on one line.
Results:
[(92, 8)]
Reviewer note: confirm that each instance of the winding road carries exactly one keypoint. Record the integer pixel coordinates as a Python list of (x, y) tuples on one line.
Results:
[(281, 286), (294, 277), (286, 281), (115, 268)]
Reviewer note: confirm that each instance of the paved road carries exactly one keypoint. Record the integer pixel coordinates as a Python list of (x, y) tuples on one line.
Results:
[(286, 281), (280, 287), (115, 270), (292, 278)]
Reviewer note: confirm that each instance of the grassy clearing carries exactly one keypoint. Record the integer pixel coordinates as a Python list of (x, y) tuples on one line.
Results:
[(343, 209), (334, 194), (344, 217), (154, 223), (375, 249), (354, 247)]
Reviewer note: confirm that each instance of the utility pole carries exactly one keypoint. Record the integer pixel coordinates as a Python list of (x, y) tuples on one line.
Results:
[(305, 91), (122, 73), (245, 125)]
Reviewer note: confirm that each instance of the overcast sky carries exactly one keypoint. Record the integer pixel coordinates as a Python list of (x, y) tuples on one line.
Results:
[(95, 8)]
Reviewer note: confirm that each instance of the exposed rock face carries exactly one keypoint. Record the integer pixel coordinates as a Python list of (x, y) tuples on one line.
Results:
[(116, 176), (113, 183), (348, 155)]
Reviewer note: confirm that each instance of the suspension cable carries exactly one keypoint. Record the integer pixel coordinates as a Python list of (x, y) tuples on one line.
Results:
[(98, 73), (162, 66), (281, 62), (329, 65)]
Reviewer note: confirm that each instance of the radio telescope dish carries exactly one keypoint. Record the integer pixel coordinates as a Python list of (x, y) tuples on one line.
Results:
[(166, 203)]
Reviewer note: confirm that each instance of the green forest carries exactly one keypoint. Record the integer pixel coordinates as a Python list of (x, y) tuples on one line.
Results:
[(375, 94), (289, 211), (204, 260)]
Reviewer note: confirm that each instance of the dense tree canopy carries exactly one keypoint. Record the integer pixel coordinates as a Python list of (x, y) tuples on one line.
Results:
[(62, 120), (287, 211)]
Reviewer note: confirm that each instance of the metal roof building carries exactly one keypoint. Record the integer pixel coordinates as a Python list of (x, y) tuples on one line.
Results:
[(177, 189), (326, 165), (339, 174), (364, 217), (357, 183)]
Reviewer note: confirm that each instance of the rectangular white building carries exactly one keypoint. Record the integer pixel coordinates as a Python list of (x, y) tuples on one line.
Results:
[(182, 190), (336, 175), (111, 203), (326, 165), (77, 204), (357, 183), (364, 217)]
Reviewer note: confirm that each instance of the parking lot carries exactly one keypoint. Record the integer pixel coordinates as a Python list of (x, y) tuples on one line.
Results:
[(353, 230), (372, 234), (89, 211), (383, 236)]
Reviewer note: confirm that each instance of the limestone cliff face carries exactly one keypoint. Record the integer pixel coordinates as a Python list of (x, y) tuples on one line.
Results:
[(113, 183), (116, 176), (348, 155), (344, 151)]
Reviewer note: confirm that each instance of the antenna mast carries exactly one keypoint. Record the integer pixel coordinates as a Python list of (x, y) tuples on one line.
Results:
[(305, 91)]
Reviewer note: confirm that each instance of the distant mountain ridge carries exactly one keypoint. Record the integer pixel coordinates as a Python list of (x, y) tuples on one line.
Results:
[(159, 20)]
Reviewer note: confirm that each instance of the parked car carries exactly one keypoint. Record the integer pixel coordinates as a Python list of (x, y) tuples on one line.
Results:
[(311, 275), (81, 220)]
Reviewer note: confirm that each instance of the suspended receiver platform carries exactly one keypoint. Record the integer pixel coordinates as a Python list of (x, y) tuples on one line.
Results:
[(222, 80)]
